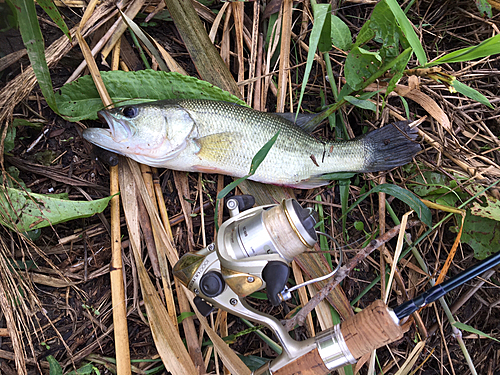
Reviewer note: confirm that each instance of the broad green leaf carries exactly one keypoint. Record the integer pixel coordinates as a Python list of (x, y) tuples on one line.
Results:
[(409, 33), (468, 328), (423, 212), (80, 100), (471, 93), (360, 65), (28, 211), (484, 8), (433, 183), (387, 31), (50, 8), (54, 366), (490, 46), (360, 103), (8, 18), (340, 34), (482, 234), (33, 41), (490, 209), (365, 35), (320, 13)]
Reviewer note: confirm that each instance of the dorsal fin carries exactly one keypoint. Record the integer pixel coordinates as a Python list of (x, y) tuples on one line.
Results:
[(303, 120)]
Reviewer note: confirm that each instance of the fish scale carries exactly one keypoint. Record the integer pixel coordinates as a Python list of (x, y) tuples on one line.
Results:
[(220, 137)]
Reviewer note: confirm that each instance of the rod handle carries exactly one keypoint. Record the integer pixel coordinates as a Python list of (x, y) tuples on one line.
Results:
[(341, 345), (372, 328), (310, 363)]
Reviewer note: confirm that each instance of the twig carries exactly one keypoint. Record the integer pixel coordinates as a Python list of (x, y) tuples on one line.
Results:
[(342, 274)]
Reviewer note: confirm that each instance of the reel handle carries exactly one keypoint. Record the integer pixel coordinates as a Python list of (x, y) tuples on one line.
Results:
[(372, 328)]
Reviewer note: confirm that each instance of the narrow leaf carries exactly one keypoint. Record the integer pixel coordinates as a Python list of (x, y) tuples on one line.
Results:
[(325, 42), (262, 153), (408, 30), (490, 46), (468, 328), (319, 21), (360, 103), (33, 41), (256, 161), (471, 93), (404, 195), (50, 8)]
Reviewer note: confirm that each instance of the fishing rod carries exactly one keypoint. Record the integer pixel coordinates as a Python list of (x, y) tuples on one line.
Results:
[(253, 250)]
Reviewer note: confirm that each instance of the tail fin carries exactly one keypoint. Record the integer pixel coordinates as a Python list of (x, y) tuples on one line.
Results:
[(391, 146)]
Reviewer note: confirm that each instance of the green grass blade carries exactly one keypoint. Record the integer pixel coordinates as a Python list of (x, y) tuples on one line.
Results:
[(490, 46), (470, 329), (320, 13), (256, 161), (49, 7), (469, 92), (33, 41), (360, 103), (408, 30), (423, 212), (262, 153)]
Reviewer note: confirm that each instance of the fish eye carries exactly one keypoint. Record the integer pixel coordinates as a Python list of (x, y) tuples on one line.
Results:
[(130, 112)]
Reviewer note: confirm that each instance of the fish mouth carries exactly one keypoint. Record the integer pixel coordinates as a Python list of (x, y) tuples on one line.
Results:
[(111, 139), (119, 129)]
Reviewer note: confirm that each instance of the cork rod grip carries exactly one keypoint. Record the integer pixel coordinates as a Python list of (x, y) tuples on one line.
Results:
[(309, 364), (370, 329)]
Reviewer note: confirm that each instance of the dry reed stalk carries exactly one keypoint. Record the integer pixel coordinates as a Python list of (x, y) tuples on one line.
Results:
[(238, 9), (286, 29), (182, 186), (116, 266), (225, 50), (17, 346), (216, 23), (258, 83), (253, 51), (120, 26), (190, 335), (299, 279)]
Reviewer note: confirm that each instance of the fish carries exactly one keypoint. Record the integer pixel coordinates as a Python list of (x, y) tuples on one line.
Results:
[(198, 135)]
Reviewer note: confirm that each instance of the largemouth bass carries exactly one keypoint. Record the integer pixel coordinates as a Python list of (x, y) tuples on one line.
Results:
[(219, 137)]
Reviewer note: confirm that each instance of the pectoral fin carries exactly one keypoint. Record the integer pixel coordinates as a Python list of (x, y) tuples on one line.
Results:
[(217, 147)]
